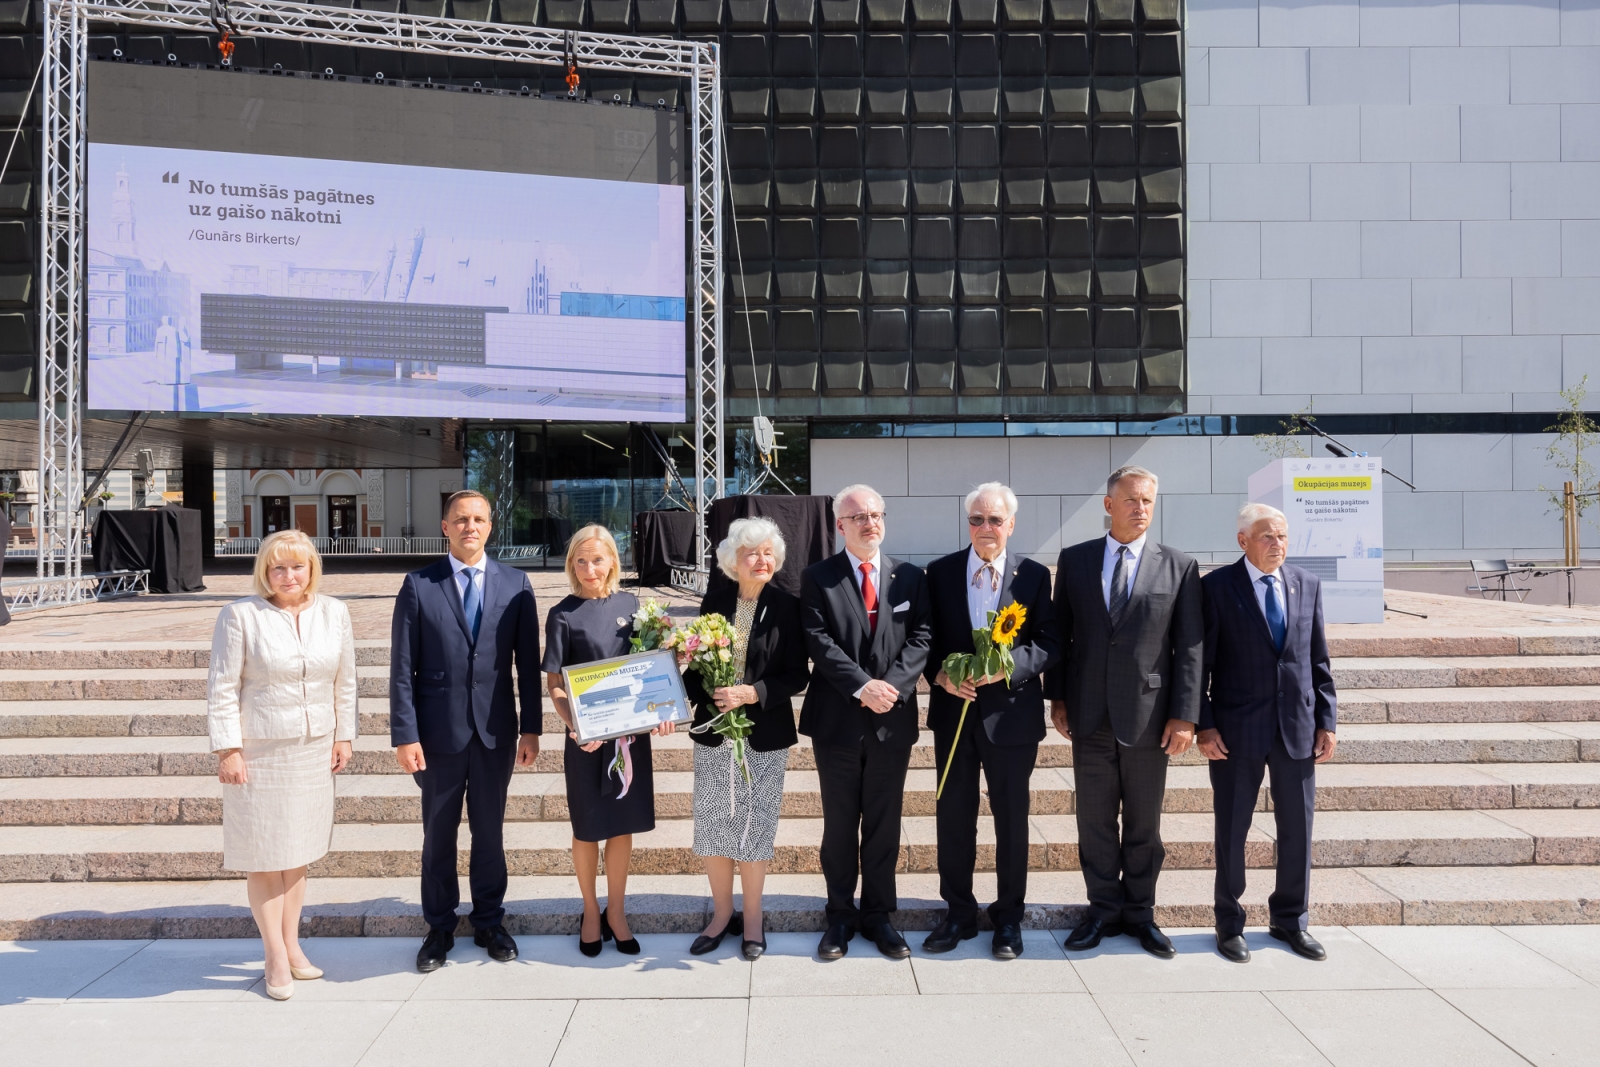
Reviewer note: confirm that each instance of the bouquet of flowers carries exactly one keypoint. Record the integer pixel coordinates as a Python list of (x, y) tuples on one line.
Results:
[(991, 655), (706, 644), (651, 624)]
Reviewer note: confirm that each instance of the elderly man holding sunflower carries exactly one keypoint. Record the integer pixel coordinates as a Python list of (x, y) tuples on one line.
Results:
[(994, 634)]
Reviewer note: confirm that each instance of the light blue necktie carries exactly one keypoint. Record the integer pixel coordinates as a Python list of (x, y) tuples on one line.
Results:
[(1275, 620), (472, 600)]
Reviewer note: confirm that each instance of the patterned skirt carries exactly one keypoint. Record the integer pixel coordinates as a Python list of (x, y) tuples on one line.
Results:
[(733, 818)]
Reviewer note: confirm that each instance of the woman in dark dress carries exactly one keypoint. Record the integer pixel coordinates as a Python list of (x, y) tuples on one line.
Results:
[(606, 803), (736, 822)]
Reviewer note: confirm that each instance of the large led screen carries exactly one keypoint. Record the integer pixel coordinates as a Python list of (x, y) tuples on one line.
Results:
[(278, 245)]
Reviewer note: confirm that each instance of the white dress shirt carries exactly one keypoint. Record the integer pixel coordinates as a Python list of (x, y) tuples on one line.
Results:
[(877, 570), (1259, 588), (456, 569), (271, 679), (980, 598), (1130, 565)]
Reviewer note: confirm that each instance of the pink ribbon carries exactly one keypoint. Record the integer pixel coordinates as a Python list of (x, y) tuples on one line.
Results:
[(625, 757)]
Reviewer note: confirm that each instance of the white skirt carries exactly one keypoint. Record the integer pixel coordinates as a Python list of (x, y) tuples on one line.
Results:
[(282, 817)]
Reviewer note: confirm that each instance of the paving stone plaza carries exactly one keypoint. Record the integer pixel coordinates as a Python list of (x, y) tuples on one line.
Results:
[(1457, 859)]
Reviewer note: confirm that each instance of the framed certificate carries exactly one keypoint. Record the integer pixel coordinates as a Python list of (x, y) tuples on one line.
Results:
[(627, 695)]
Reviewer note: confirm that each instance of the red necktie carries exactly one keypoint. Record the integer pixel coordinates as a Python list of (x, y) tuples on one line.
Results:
[(869, 597)]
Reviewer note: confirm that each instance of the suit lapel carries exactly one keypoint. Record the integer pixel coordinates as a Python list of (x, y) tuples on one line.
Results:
[(1093, 563), (886, 594), (852, 592), (452, 594), (755, 649), (1247, 603), (1291, 605), (1007, 596), (955, 593), (1149, 560)]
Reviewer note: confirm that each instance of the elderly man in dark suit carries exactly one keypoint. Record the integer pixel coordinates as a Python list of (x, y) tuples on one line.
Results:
[(865, 617), (454, 718), (1267, 701), (1127, 694), (1005, 723)]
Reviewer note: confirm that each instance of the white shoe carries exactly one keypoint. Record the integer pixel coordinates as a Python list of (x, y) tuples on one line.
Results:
[(308, 973), (280, 992)]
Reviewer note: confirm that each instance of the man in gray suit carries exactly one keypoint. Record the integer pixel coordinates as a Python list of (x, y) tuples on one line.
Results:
[(1126, 693)]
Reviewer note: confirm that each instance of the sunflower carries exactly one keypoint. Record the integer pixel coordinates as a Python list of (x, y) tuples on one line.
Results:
[(1007, 623)]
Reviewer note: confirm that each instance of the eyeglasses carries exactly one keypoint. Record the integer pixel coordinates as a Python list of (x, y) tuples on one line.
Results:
[(866, 518), (996, 521)]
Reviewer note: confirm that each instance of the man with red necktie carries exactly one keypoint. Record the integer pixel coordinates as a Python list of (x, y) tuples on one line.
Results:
[(867, 624)]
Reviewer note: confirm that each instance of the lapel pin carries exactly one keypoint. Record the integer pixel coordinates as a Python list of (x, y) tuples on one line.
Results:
[(622, 620)]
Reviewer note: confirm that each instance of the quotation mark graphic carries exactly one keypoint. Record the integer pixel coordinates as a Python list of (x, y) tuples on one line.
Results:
[(171, 177)]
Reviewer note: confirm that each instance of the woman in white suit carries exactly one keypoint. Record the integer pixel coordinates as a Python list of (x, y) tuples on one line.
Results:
[(282, 715)]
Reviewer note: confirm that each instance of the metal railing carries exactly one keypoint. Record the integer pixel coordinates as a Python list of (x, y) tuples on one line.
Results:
[(380, 546), (33, 594)]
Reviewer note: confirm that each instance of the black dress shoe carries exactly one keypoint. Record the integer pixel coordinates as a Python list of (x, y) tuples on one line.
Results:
[(1007, 941), (435, 947), (753, 950), (1302, 943), (947, 935), (1233, 948), (502, 949), (629, 947), (1087, 934), (704, 944), (1152, 940), (835, 941), (888, 940)]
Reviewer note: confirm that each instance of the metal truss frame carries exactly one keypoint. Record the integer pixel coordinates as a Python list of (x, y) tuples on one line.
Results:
[(36, 594), (62, 231)]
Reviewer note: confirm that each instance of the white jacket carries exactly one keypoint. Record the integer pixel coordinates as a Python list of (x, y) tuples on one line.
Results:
[(269, 681)]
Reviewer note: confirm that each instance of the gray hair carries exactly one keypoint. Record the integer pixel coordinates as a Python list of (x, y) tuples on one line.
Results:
[(1251, 514), (1121, 474), (999, 489), (749, 533), (849, 490)]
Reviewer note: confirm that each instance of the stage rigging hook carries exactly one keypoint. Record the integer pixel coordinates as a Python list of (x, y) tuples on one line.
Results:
[(222, 20), (572, 65)]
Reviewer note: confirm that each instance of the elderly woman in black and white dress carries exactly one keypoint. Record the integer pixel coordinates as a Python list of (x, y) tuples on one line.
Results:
[(735, 822), (281, 711)]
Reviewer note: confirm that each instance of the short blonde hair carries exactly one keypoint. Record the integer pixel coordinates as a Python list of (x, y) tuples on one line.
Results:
[(286, 543), (749, 533), (595, 532)]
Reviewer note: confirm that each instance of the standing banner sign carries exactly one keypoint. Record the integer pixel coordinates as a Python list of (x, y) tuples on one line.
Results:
[(1335, 512)]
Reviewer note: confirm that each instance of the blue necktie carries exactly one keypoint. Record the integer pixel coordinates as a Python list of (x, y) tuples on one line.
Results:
[(1275, 621), (472, 600)]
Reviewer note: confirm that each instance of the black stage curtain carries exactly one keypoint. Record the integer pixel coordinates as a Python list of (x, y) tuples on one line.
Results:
[(806, 522), (5, 539), (660, 539), (165, 541)]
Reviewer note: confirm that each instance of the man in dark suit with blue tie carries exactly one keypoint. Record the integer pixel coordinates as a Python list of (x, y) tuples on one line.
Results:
[(453, 718), (1267, 701)]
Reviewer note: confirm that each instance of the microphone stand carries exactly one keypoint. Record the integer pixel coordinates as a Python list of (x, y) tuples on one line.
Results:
[(1342, 450)]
